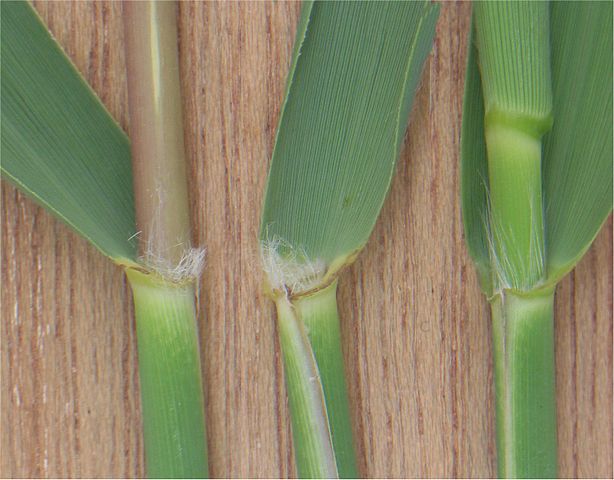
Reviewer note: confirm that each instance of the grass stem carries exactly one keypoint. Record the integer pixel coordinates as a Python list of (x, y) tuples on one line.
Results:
[(320, 317), (514, 55), (315, 457), (523, 337), (156, 131), (515, 187), (321, 424), (170, 377), (169, 359)]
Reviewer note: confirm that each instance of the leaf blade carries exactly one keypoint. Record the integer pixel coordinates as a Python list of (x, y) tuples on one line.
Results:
[(578, 151), (339, 131), (474, 172), (58, 142)]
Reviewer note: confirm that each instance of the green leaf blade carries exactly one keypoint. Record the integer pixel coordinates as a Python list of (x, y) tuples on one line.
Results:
[(474, 172), (578, 152), (338, 138), (59, 144)]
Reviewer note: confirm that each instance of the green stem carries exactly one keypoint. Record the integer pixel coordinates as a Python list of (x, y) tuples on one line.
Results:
[(523, 337), (319, 315), (514, 55), (313, 359), (313, 448), (170, 377), (515, 187), (169, 360)]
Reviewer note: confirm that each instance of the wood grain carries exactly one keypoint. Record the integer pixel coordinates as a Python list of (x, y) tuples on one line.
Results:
[(415, 326)]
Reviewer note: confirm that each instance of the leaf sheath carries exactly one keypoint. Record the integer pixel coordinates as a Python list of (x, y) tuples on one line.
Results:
[(170, 378), (523, 339)]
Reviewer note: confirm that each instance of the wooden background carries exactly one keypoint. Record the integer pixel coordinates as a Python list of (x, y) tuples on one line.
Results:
[(415, 326)]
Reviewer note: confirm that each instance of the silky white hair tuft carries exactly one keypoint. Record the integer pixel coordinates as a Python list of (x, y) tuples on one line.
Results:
[(294, 272)]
